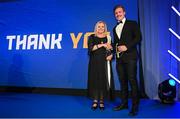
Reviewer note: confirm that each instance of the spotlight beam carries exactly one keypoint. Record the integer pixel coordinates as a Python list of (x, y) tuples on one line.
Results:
[(176, 57), (174, 33), (175, 10), (174, 78)]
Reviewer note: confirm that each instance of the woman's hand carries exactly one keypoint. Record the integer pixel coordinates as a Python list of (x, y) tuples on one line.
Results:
[(102, 45), (109, 46), (109, 57)]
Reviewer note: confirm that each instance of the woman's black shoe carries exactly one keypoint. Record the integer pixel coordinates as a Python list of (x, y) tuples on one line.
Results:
[(101, 106), (94, 105)]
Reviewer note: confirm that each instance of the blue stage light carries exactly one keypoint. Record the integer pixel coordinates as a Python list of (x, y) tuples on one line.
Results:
[(172, 82), (167, 91)]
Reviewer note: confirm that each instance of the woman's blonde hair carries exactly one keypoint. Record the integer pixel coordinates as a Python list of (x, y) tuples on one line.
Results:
[(105, 27)]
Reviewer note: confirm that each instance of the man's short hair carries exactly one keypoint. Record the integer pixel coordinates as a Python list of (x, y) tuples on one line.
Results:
[(118, 6)]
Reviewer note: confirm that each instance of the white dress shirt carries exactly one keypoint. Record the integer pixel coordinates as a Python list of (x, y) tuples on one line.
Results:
[(119, 28)]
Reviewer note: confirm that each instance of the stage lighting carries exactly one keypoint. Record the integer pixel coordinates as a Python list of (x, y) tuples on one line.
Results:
[(167, 91)]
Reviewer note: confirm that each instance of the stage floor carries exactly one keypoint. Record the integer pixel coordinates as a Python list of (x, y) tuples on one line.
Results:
[(23, 105)]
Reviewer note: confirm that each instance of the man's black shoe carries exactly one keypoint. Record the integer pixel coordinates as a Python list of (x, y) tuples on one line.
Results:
[(120, 107), (133, 113)]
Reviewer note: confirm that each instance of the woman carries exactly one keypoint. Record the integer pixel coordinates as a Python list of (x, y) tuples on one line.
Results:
[(100, 80)]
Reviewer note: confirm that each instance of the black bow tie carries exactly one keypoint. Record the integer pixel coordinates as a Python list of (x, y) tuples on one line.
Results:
[(119, 22)]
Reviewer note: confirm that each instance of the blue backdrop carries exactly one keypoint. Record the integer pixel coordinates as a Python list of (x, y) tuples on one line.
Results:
[(37, 40)]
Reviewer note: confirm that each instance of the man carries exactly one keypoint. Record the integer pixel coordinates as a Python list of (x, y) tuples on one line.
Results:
[(127, 35)]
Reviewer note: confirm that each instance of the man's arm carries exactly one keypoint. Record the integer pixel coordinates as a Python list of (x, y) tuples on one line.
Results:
[(136, 36)]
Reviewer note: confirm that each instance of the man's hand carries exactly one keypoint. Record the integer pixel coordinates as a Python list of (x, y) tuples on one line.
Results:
[(122, 48)]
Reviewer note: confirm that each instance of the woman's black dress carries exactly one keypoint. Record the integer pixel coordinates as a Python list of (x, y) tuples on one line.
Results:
[(98, 86)]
